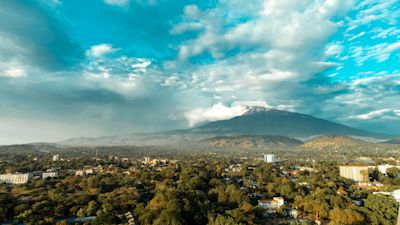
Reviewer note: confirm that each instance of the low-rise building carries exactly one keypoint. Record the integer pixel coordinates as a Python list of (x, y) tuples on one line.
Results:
[(49, 174), (235, 168), (271, 205), (383, 168), (85, 171), (16, 178), (80, 173)]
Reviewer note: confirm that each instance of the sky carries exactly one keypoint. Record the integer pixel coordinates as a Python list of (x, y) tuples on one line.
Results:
[(72, 68)]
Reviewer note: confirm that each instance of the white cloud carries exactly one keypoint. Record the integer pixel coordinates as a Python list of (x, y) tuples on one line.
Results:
[(100, 50), (221, 112), (141, 64), (379, 52), (291, 41), (333, 49), (121, 3), (379, 114), (353, 37), (14, 72), (216, 112), (393, 47)]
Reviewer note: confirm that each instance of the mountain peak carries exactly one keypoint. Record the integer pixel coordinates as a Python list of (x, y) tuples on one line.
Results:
[(255, 109), (260, 109)]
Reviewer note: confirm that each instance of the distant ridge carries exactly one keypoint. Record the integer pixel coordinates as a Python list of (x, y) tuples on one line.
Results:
[(395, 141), (251, 142), (262, 121), (334, 142), (267, 124)]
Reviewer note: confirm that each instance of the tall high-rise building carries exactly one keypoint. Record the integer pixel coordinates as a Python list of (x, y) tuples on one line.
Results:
[(269, 158), (355, 173)]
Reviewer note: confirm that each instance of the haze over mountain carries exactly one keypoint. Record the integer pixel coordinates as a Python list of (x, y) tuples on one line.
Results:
[(257, 121)]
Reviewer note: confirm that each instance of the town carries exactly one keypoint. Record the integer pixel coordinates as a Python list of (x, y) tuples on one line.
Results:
[(108, 187)]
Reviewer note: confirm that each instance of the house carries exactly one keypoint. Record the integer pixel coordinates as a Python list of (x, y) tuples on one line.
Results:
[(49, 174), (271, 205), (235, 168)]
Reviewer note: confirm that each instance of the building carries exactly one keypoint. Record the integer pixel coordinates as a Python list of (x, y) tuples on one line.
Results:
[(269, 158), (271, 205), (56, 157), (355, 173), (80, 173), (16, 178), (383, 168), (235, 168), (87, 170), (49, 174)]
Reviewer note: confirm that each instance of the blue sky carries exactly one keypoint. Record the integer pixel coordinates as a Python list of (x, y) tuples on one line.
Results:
[(104, 67)]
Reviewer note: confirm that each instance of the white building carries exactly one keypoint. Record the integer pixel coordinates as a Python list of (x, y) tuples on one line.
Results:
[(235, 168), (16, 178), (85, 171), (355, 173), (80, 173), (53, 174), (56, 157), (269, 158), (383, 168)]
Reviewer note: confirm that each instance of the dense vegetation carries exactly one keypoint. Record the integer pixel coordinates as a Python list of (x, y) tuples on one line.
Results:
[(197, 189)]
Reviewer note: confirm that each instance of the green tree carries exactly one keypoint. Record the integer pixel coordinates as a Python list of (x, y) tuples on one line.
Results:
[(380, 210)]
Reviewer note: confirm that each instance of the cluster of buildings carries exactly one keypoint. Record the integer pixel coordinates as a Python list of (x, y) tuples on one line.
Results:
[(359, 174), (234, 168), (88, 170), (23, 178)]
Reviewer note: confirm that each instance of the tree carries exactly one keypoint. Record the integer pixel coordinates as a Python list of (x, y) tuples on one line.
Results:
[(222, 220), (393, 172), (345, 217), (104, 218), (380, 210)]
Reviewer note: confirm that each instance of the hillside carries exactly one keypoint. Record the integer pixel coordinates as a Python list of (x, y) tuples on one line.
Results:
[(335, 142), (251, 142), (395, 141)]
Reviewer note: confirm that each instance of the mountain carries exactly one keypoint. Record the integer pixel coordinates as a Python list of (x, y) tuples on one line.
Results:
[(262, 121), (250, 142), (257, 121), (335, 142), (395, 141)]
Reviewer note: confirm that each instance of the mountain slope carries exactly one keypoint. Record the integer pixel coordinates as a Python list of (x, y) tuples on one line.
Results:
[(334, 142), (250, 142), (395, 141), (261, 121)]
